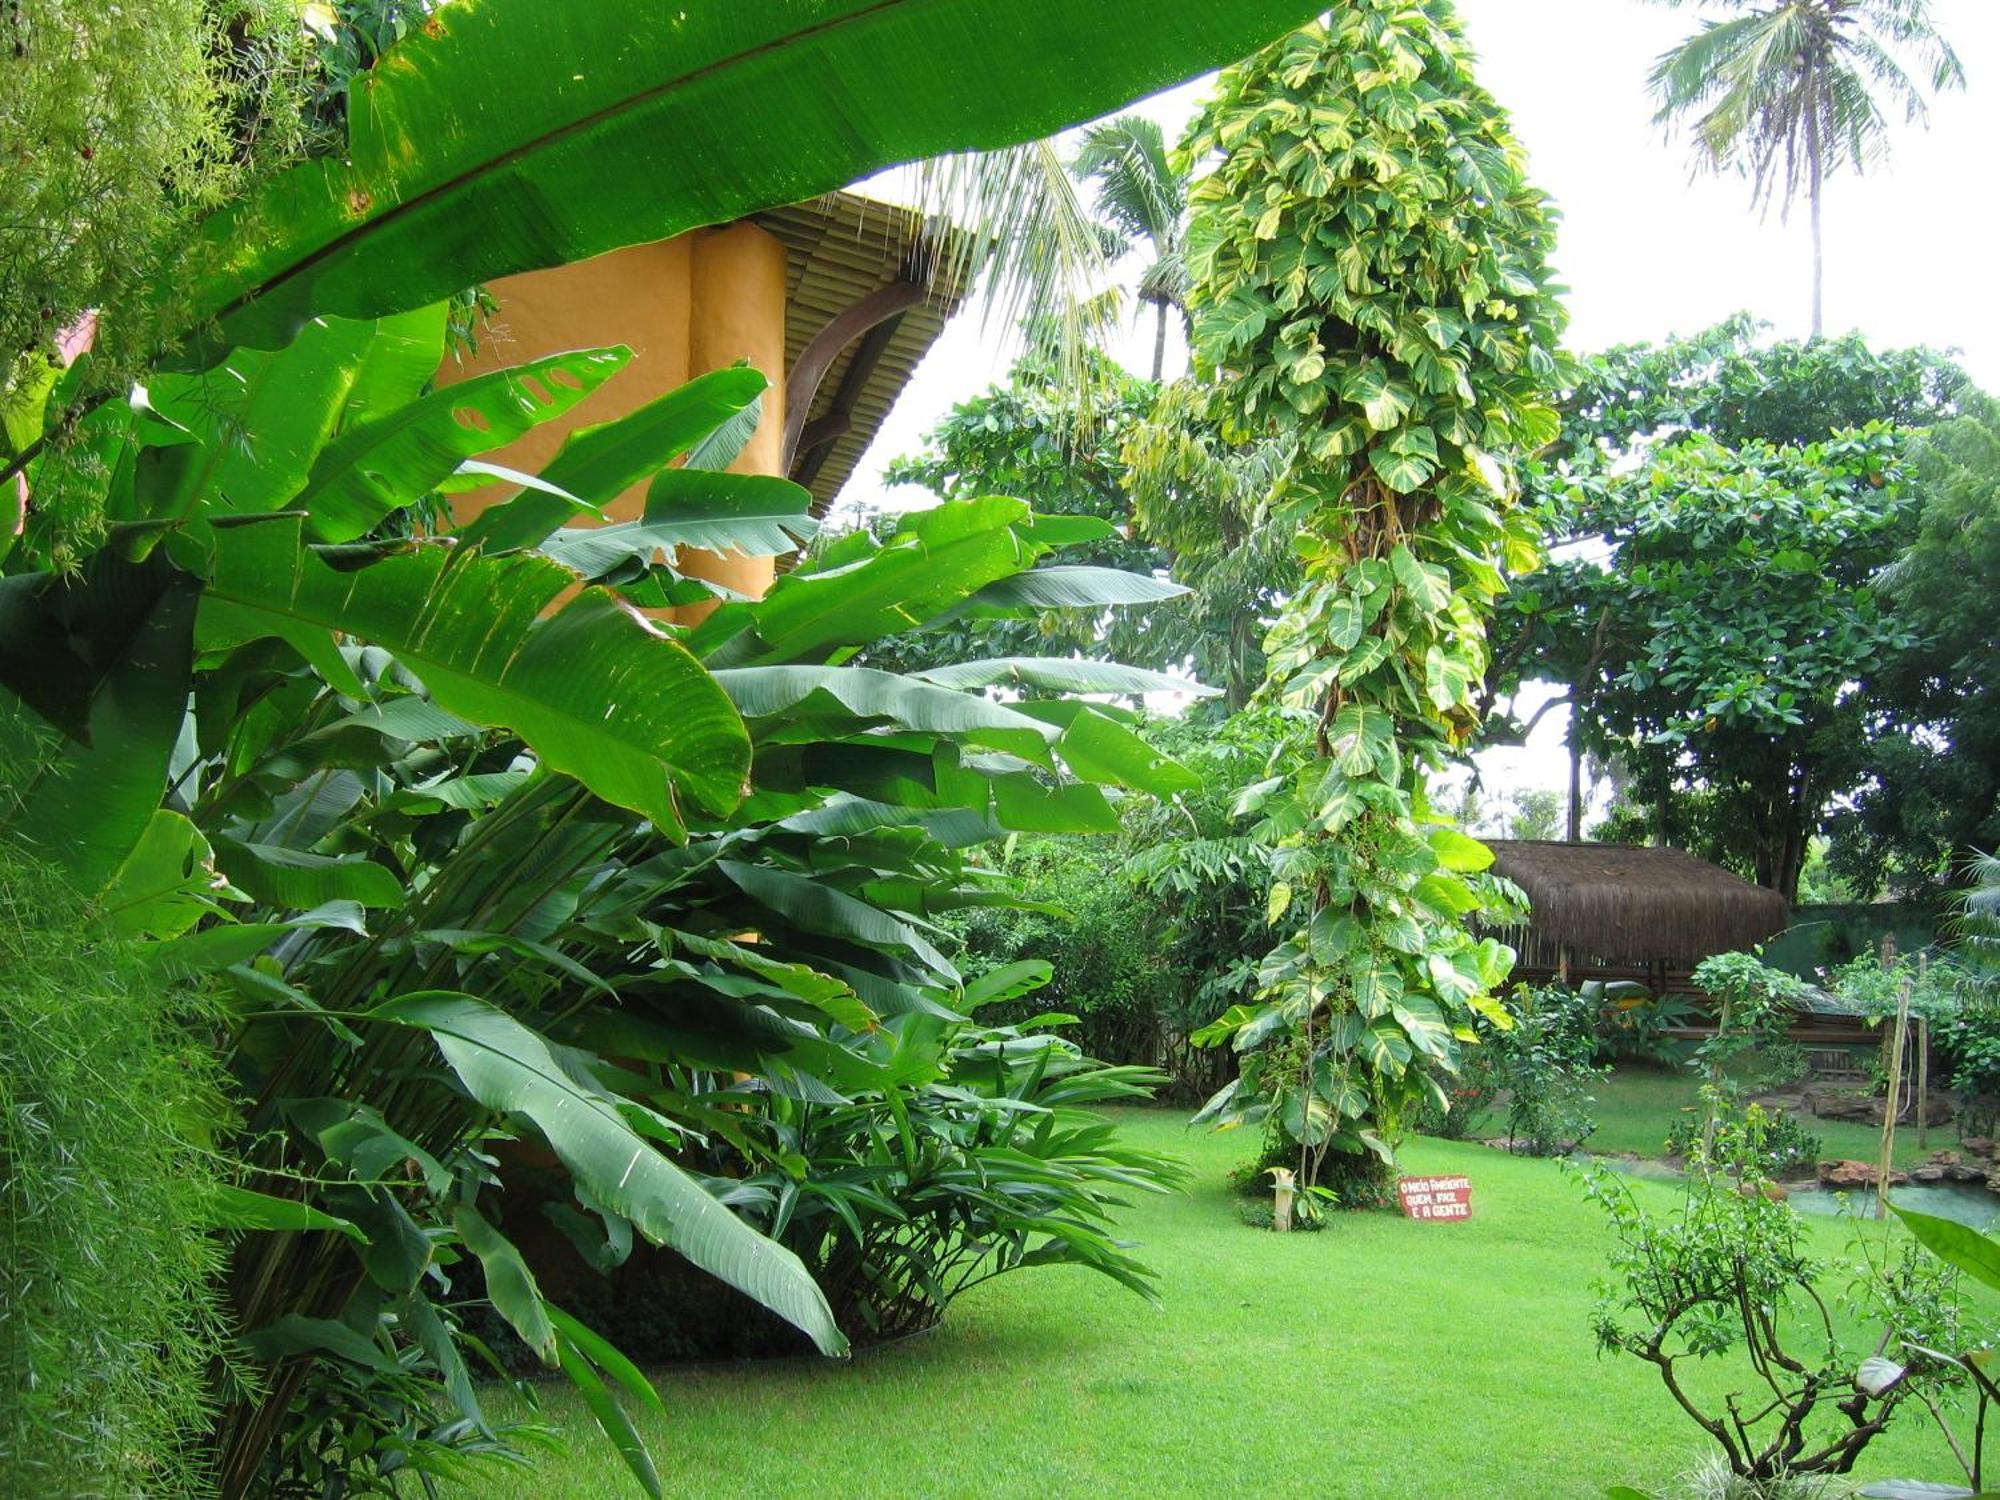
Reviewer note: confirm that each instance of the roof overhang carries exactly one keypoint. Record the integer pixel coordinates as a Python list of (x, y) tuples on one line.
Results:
[(869, 287)]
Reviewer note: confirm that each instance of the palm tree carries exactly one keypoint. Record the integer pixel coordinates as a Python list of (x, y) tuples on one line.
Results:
[(1141, 197), (1791, 91), (1977, 923)]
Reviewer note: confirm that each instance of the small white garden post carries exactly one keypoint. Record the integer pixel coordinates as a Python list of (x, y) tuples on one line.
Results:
[(1284, 1189)]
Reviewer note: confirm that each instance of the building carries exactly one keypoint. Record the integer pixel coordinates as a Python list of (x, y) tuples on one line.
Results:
[(835, 301)]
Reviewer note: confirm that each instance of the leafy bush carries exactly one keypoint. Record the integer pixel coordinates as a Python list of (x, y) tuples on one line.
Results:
[(1363, 1181), (903, 1199), (1970, 1045), (1156, 935), (111, 1332), (1539, 1068), (1751, 1048), (1635, 1025), (1783, 1145), (1085, 919)]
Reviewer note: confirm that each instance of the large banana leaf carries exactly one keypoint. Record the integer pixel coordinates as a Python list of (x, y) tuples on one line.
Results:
[(385, 464), (753, 514), (858, 593), (509, 1068), (1070, 586), (768, 692), (600, 463), (105, 656), (1060, 674), (594, 689), (509, 134)]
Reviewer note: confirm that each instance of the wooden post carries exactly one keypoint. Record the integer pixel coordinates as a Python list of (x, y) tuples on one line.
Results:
[(1923, 1064), (1889, 1110), (1923, 1083)]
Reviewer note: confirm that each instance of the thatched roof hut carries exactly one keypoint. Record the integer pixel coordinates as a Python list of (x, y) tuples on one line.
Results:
[(1616, 908)]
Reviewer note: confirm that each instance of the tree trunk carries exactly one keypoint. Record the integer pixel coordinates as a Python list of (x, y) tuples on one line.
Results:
[(1575, 831), (1159, 340), (1817, 170)]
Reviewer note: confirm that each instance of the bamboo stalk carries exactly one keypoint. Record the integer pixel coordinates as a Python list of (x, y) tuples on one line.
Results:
[(1923, 1078)]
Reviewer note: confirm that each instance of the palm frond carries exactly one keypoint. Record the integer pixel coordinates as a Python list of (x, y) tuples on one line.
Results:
[(1977, 923), (1789, 87), (1137, 188), (1025, 235)]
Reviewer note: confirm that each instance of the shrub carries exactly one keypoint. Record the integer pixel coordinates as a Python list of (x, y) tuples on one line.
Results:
[(1090, 925), (901, 1199), (110, 1334), (1970, 1044), (1538, 1069), (1364, 1181), (1725, 1281), (1751, 1049), (1783, 1144), (1635, 1025)]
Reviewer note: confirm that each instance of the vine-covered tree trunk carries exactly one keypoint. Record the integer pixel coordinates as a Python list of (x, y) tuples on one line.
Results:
[(1369, 281)]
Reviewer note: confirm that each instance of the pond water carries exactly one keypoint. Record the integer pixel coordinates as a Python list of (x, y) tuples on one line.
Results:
[(1964, 1203)]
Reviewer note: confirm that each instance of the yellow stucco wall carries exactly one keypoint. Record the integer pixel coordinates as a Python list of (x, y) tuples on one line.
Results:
[(684, 306)]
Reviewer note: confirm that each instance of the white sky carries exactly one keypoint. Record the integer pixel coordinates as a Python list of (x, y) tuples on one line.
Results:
[(1645, 251)]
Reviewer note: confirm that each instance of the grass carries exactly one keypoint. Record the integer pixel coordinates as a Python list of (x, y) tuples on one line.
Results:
[(1636, 1106), (1380, 1358)]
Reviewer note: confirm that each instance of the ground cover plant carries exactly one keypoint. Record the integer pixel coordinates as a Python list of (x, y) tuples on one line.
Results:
[(1157, 1401)]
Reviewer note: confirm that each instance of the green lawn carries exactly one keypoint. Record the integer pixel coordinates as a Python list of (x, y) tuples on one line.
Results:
[(1636, 1106), (1380, 1358)]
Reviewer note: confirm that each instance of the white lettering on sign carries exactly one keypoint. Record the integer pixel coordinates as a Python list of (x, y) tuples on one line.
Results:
[(1435, 1198)]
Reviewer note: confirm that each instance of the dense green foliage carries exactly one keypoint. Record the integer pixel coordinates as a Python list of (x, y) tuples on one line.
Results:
[(1039, 436), (440, 799), (1725, 639), (123, 127), (1151, 937), (1370, 285), (111, 1328), (1932, 787), (1537, 1071), (913, 1196)]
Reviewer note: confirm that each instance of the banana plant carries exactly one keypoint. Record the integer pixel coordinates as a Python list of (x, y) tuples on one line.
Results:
[(381, 777), (448, 885)]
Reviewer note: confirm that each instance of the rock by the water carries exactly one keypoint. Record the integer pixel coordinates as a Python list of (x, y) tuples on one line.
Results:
[(1927, 1175), (1841, 1176)]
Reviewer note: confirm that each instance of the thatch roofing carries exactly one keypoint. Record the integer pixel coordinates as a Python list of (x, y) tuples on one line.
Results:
[(840, 248), (1618, 903)]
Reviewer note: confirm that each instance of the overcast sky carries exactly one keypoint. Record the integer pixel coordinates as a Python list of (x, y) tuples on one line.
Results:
[(1644, 250)]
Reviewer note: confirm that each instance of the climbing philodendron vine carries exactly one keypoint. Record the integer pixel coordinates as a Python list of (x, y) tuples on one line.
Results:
[(1370, 278)]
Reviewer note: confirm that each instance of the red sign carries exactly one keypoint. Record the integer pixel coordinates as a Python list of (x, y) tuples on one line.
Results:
[(1435, 1197)]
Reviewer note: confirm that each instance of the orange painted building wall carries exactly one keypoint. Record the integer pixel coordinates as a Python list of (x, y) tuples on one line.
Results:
[(684, 306)]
